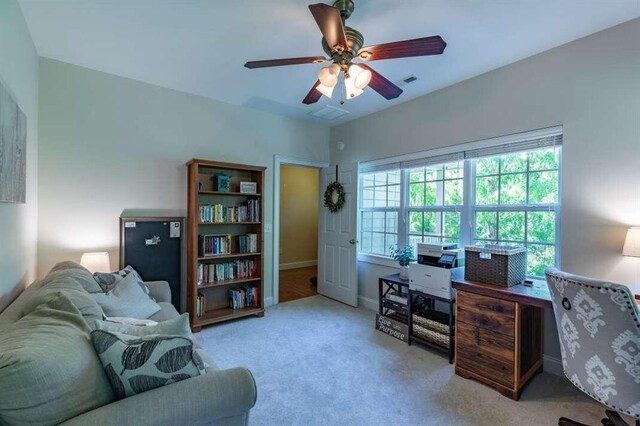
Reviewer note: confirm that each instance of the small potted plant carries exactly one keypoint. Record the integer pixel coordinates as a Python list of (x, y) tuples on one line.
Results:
[(404, 256)]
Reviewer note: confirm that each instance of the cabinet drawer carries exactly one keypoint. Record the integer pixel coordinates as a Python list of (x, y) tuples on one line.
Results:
[(486, 353), (486, 312)]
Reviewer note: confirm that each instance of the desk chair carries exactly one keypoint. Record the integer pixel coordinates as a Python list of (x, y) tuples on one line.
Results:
[(599, 329)]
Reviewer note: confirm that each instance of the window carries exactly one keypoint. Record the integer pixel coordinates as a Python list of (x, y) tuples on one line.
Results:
[(380, 204), (435, 202), (504, 194), (516, 203)]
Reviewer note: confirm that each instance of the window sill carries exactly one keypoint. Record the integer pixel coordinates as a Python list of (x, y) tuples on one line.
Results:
[(377, 260)]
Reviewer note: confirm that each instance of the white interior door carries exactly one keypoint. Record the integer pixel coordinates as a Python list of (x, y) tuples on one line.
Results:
[(337, 269)]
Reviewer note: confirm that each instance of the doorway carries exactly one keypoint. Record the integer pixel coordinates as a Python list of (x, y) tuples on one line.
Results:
[(295, 228), (298, 251)]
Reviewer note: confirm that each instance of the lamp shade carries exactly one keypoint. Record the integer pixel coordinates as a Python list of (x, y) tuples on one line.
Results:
[(325, 90), (632, 242), (96, 262)]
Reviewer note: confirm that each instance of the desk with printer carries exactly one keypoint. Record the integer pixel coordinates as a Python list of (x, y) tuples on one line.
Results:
[(494, 331)]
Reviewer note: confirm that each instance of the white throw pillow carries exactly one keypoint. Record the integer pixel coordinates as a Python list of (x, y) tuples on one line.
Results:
[(126, 299), (178, 326), (130, 321)]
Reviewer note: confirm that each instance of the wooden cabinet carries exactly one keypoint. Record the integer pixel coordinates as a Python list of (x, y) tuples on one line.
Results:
[(224, 231), (499, 334)]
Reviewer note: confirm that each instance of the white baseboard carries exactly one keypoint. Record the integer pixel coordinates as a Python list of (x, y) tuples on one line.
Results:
[(268, 301), (552, 365), (296, 265), (367, 303)]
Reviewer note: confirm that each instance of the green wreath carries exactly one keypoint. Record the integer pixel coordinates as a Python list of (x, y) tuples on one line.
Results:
[(334, 206)]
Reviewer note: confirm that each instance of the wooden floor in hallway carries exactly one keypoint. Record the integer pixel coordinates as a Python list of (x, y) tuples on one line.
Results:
[(295, 283)]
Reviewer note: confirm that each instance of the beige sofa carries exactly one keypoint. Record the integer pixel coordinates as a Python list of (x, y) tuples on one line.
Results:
[(220, 397)]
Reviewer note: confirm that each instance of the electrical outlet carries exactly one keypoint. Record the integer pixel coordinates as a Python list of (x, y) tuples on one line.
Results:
[(268, 228)]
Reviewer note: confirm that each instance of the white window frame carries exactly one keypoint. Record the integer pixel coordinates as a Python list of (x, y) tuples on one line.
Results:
[(468, 208)]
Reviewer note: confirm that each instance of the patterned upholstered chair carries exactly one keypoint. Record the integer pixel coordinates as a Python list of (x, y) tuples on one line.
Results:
[(599, 328)]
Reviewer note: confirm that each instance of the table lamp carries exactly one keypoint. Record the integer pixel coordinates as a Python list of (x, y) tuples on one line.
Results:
[(96, 262), (632, 242)]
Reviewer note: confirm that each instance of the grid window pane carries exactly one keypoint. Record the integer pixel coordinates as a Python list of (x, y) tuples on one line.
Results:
[(539, 258), (513, 163), (487, 166), (544, 159), (543, 187), (415, 222), (542, 227), (487, 190), (453, 192), (487, 225), (451, 226), (416, 194), (513, 189), (511, 226)]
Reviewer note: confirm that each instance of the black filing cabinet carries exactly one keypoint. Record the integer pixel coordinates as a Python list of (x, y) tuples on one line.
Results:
[(156, 248)]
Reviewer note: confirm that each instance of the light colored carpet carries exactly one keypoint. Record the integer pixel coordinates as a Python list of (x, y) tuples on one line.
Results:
[(319, 362)]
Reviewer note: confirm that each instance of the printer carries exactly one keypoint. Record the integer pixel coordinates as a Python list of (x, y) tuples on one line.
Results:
[(438, 264)]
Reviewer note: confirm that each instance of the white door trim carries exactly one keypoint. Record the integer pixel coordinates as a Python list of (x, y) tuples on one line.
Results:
[(279, 160)]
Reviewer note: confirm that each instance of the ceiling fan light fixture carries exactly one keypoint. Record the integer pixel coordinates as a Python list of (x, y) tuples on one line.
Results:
[(351, 89), (325, 90), (361, 77), (329, 75)]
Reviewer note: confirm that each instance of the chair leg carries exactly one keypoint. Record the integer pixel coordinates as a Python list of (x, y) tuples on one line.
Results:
[(568, 422), (614, 419)]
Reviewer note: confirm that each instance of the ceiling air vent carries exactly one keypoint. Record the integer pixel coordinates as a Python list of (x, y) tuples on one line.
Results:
[(406, 80), (329, 113)]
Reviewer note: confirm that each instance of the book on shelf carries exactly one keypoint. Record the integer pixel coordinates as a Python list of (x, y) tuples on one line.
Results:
[(243, 297), (210, 273), (214, 244), (201, 305), (247, 243), (248, 211)]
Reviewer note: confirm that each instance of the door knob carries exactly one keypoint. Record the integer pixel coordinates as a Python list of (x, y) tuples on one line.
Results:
[(353, 241)]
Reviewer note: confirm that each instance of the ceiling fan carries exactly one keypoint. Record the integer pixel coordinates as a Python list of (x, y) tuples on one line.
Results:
[(344, 44)]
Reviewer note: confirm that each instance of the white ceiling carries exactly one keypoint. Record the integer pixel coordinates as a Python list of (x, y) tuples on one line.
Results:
[(200, 46)]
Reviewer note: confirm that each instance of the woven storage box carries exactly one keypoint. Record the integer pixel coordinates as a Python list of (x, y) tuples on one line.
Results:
[(501, 265), (431, 330)]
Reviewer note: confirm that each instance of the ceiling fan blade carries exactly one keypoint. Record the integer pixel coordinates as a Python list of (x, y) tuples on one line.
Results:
[(313, 96), (425, 46), (288, 61), (330, 22), (381, 85)]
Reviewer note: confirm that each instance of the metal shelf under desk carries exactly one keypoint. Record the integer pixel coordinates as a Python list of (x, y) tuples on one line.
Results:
[(432, 328)]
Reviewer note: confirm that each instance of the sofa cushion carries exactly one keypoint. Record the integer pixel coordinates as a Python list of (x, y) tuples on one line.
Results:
[(78, 273), (127, 299), (49, 371), (167, 311), (178, 326), (138, 364), (68, 282), (108, 280)]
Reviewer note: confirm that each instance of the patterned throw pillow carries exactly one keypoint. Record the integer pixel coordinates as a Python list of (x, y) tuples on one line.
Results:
[(108, 280), (178, 326), (138, 364)]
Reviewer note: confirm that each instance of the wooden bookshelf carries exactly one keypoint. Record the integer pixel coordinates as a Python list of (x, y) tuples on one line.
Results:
[(201, 191)]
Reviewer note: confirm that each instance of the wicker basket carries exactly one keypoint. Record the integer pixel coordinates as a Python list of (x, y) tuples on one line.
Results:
[(431, 330), (501, 265)]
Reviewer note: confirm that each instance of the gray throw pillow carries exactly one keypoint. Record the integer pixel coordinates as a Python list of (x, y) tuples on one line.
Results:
[(138, 364), (126, 299), (178, 326), (49, 370), (108, 280)]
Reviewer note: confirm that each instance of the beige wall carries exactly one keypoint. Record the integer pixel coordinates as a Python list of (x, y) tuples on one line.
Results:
[(298, 215), (591, 87), (110, 143), (18, 222)]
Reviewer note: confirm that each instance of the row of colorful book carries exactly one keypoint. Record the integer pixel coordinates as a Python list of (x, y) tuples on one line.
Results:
[(201, 305), (212, 272), (217, 213), (246, 243), (214, 244), (243, 297)]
